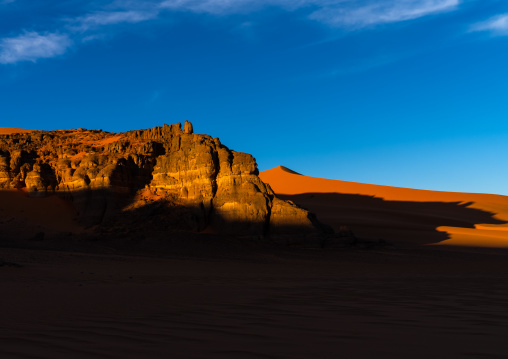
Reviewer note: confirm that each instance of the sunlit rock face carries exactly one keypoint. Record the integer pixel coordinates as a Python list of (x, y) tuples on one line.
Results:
[(186, 180)]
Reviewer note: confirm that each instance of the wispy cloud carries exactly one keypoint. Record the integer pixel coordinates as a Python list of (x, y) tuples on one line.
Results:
[(102, 18), (348, 14), (352, 14), (31, 46), (497, 25), (218, 7), (358, 13), (225, 7)]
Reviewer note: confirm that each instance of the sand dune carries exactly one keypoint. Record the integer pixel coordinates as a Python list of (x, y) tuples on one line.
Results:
[(22, 216), (9, 130), (401, 214)]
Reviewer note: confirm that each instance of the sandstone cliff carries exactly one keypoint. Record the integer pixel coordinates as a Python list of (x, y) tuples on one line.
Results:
[(166, 176)]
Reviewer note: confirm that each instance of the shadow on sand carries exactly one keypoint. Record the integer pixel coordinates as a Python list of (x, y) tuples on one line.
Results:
[(399, 221), (104, 215), (116, 215)]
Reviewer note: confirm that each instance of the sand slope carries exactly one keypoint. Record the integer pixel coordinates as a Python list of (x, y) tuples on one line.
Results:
[(21, 216), (9, 130), (401, 214)]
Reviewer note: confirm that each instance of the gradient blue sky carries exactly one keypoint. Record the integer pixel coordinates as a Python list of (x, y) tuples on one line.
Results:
[(410, 93)]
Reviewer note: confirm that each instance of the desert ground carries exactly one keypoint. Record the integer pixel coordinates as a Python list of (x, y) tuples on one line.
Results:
[(229, 302), (438, 290)]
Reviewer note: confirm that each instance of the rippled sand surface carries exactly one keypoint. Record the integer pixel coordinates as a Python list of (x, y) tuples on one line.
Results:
[(422, 303)]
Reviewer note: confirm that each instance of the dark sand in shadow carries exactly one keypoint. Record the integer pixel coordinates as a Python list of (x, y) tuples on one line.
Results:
[(433, 302)]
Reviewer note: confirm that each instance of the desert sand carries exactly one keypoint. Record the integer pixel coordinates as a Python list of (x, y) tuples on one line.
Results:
[(403, 215), (255, 303), (9, 130), (208, 296), (22, 217)]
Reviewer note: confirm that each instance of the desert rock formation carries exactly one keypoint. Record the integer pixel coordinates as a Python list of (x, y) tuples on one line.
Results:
[(171, 177)]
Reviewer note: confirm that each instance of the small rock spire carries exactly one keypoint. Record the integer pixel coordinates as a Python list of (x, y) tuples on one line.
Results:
[(187, 127)]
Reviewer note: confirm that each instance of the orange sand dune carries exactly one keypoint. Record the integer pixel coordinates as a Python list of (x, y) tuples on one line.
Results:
[(22, 216), (400, 214), (9, 130)]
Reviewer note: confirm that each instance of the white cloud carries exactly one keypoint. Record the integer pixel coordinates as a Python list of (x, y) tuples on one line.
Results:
[(209, 6), (341, 13), (222, 7), (497, 24), (31, 46), (103, 18), (379, 12)]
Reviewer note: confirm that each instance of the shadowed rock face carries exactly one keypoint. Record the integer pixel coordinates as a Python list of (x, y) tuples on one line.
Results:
[(201, 182)]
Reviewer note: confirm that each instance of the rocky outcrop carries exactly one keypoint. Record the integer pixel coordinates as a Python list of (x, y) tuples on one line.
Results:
[(5, 175), (199, 182)]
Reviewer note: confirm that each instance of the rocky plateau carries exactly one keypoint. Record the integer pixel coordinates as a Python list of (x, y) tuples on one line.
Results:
[(161, 178)]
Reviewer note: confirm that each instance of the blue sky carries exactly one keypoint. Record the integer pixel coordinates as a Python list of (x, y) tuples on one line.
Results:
[(410, 93)]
